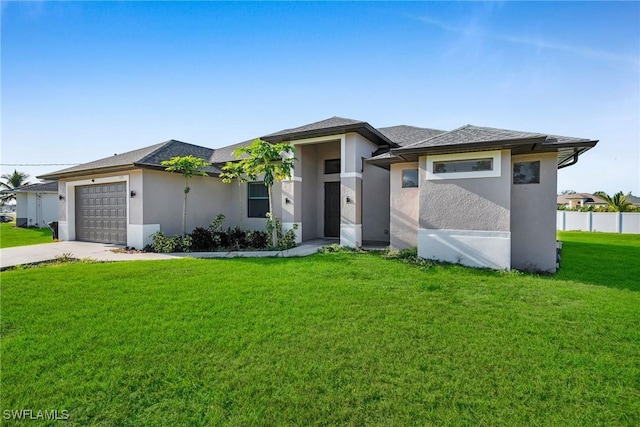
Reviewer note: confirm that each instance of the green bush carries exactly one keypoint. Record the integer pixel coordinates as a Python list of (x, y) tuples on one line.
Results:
[(202, 240), (162, 243)]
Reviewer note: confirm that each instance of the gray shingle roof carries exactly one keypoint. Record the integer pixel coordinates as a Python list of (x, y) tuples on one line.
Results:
[(147, 157), (225, 154), (405, 135), (469, 134), (39, 187), (333, 122), (331, 126)]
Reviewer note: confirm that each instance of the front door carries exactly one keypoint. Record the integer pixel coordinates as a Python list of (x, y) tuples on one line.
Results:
[(331, 209)]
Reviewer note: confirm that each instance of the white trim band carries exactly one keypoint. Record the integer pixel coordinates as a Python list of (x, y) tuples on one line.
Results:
[(473, 248)]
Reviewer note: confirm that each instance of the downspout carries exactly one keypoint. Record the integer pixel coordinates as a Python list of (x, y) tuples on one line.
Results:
[(574, 160)]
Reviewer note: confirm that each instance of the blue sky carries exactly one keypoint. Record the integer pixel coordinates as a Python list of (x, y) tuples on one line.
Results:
[(85, 80)]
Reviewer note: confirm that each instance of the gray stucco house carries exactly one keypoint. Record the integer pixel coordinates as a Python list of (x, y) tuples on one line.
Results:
[(480, 196)]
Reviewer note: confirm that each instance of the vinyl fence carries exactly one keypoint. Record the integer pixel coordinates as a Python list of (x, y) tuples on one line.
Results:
[(607, 222)]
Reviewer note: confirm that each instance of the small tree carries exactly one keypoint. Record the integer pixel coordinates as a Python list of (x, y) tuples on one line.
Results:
[(12, 181), (188, 166), (617, 203), (274, 162), (231, 171)]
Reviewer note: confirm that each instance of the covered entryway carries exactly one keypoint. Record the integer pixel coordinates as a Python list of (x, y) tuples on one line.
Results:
[(101, 213)]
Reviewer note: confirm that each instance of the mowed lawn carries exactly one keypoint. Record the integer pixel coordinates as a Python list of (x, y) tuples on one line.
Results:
[(331, 339), (11, 236)]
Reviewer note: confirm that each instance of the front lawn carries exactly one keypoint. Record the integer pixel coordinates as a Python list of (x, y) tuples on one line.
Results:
[(11, 236), (330, 339)]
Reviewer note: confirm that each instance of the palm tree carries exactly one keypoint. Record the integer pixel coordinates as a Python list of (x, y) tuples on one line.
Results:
[(11, 182), (617, 203), (188, 166)]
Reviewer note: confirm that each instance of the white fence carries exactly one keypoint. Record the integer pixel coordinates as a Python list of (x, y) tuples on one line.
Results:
[(607, 222)]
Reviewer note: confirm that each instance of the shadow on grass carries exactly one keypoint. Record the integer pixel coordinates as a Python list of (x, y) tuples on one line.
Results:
[(610, 265)]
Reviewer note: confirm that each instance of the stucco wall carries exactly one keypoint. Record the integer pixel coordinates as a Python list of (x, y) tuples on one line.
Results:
[(209, 196), (375, 203), (533, 217), (479, 204), (308, 158), (22, 209), (404, 209), (466, 220), (163, 201)]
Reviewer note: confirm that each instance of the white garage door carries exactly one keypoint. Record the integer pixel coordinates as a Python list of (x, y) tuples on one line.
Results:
[(101, 213)]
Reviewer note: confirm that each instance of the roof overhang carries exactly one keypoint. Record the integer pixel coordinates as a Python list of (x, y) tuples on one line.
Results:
[(364, 129), (212, 171), (568, 152)]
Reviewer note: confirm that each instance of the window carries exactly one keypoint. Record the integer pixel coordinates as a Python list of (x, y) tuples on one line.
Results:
[(258, 200), (332, 166), (409, 178), (526, 173), (484, 164), (454, 166)]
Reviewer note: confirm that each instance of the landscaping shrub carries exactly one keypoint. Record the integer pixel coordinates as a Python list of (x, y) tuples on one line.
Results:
[(257, 239), (202, 240), (213, 238), (236, 238), (162, 243)]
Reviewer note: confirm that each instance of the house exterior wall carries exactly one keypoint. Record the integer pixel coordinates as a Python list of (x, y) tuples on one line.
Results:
[(354, 149), (209, 196), (22, 209), (35, 209), (466, 220), (533, 213), (309, 172), (375, 203), (403, 209)]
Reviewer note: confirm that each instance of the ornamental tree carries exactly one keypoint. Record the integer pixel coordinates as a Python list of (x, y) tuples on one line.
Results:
[(188, 166), (272, 162)]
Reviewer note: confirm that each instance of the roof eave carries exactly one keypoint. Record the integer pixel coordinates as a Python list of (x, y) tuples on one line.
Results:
[(85, 172), (364, 129), (411, 154)]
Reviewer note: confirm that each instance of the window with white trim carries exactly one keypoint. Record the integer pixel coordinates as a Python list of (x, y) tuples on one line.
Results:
[(485, 164)]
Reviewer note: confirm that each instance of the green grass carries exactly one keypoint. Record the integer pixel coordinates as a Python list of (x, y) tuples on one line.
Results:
[(603, 259), (331, 339), (11, 236)]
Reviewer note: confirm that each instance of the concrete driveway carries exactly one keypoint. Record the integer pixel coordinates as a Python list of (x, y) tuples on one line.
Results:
[(10, 257)]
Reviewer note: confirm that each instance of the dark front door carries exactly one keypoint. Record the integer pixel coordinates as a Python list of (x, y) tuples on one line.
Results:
[(331, 209)]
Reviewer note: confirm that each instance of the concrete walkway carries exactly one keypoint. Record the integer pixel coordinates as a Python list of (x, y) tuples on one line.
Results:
[(10, 257)]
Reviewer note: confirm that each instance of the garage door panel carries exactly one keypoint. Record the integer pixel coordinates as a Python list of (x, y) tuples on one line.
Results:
[(101, 213)]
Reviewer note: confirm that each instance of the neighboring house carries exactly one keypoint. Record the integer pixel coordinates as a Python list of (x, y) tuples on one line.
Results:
[(475, 195), (36, 204), (580, 200), (634, 200)]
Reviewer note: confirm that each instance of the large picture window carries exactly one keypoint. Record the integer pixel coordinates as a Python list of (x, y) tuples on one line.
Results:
[(258, 200)]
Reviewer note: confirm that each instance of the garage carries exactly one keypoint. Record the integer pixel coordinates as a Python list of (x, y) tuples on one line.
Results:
[(101, 213)]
